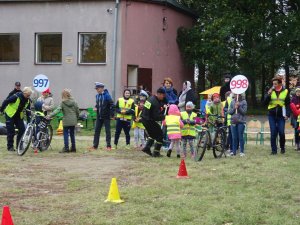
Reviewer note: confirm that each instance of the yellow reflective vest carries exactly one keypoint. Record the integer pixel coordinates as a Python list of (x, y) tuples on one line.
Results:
[(126, 107), (137, 115), (173, 124), (229, 100), (188, 130), (278, 101), (12, 108)]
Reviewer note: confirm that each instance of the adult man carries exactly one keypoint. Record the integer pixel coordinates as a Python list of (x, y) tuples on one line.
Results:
[(152, 112), (105, 111), (226, 87), (13, 108), (15, 90), (278, 102)]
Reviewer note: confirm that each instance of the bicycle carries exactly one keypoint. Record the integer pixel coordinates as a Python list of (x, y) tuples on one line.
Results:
[(39, 132), (205, 142)]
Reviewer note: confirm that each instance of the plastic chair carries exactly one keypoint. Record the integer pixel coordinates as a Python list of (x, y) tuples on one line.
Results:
[(264, 131), (289, 132), (92, 115), (253, 127)]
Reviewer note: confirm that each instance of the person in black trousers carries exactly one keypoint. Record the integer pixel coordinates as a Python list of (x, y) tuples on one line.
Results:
[(13, 109), (154, 111), (105, 111)]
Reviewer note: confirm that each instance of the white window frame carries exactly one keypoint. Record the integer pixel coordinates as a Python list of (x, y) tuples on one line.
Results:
[(13, 63), (79, 47), (36, 49)]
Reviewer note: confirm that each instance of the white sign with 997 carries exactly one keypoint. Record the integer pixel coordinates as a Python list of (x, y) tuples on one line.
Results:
[(239, 84), (41, 83)]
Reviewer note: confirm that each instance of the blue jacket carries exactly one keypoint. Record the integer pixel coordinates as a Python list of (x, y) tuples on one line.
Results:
[(171, 96), (104, 105)]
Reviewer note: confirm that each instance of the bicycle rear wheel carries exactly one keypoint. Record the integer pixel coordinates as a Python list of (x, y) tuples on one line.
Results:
[(201, 146), (46, 138), (25, 141), (219, 143)]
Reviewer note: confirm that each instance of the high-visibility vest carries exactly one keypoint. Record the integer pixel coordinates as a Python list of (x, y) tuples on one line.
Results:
[(275, 101), (188, 130), (229, 100), (137, 115), (126, 107), (12, 108), (207, 109), (173, 124)]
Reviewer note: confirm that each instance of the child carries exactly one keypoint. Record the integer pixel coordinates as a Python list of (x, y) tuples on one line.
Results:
[(188, 132), (174, 124), (216, 109), (139, 129), (125, 110), (295, 107), (70, 109)]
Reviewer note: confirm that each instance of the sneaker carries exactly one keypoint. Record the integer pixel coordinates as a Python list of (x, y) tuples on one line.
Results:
[(11, 149), (231, 154), (64, 150), (242, 154), (108, 148), (92, 148), (282, 151)]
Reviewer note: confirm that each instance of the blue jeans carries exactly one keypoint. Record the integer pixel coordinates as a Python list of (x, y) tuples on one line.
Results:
[(277, 125), (69, 130), (125, 125), (237, 132), (99, 124)]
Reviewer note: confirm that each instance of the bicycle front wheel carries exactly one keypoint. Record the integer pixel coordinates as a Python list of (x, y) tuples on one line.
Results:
[(46, 138), (219, 143), (201, 146), (25, 141)]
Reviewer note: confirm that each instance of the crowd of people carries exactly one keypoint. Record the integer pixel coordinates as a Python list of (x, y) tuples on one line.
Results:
[(167, 118)]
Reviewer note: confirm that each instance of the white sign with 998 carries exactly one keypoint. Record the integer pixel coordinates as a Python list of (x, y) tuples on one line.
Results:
[(41, 83), (239, 84)]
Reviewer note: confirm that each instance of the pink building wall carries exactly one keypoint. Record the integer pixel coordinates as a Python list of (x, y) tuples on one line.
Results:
[(146, 44)]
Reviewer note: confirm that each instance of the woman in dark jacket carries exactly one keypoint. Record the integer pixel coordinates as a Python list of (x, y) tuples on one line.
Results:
[(187, 95)]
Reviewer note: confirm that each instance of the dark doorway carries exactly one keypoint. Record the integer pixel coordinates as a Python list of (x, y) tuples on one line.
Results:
[(145, 78)]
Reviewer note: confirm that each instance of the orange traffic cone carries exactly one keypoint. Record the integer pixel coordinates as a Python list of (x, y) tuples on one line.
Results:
[(113, 195), (59, 130), (6, 217), (182, 173)]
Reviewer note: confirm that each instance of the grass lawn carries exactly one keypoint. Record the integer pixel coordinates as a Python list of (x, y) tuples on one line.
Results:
[(49, 188)]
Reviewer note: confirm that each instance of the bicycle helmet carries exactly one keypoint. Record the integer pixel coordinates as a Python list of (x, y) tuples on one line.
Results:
[(38, 106)]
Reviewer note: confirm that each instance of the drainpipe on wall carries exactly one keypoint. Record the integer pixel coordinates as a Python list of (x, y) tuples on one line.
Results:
[(114, 53)]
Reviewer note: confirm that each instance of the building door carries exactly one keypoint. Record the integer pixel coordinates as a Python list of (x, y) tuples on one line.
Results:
[(145, 78)]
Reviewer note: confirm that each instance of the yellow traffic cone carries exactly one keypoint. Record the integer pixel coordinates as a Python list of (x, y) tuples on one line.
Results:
[(59, 130), (113, 195)]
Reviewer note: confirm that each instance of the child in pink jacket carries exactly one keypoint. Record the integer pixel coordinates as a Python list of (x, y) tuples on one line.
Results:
[(174, 125)]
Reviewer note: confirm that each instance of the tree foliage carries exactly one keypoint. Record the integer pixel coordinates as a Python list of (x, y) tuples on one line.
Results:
[(251, 37)]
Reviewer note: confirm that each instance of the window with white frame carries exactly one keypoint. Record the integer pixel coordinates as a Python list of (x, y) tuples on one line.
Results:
[(9, 48), (48, 48), (92, 48)]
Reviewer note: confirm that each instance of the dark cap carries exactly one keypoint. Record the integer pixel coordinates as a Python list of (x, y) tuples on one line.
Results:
[(161, 90), (17, 83), (99, 85)]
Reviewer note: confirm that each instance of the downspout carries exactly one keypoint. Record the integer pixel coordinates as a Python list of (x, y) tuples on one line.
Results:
[(114, 49)]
